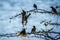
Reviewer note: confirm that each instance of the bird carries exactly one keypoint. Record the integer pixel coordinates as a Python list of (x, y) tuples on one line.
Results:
[(35, 6), (57, 6), (33, 29), (22, 33), (53, 10), (23, 17)]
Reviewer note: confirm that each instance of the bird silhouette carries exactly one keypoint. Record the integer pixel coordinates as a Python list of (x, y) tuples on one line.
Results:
[(33, 29), (53, 10), (23, 16), (35, 6), (57, 6), (22, 33)]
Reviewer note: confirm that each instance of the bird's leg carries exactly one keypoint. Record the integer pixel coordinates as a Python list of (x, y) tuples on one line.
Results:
[(23, 25), (23, 22), (26, 22)]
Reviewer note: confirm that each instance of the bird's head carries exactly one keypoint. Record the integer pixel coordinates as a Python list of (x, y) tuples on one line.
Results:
[(33, 26), (51, 7), (23, 11), (34, 4)]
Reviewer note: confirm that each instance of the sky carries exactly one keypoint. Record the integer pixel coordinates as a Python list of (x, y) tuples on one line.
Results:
[(9, 8)]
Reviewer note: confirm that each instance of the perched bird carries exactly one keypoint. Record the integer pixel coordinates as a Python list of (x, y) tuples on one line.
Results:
[(57, 6), (23, 16), (53, 10), (35, 6), (22, 33), (33, 29)]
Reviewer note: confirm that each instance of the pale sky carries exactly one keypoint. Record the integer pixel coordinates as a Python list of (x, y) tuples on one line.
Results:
[(9, 8)]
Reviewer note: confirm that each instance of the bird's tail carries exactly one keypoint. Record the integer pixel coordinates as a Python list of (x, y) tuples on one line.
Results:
[(25, 37), (18, 34)]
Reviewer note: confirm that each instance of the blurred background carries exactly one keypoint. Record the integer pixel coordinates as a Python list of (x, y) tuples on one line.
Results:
[(9, 8)]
